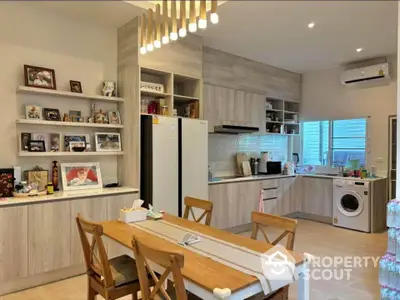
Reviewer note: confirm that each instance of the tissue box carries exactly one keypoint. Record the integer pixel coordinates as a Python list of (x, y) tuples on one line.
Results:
[(130, 216)]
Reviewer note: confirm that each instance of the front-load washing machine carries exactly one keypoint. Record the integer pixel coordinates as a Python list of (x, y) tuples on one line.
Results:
[(351, 204)]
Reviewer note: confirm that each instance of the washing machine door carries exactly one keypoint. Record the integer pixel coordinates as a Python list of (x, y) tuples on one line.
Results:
[(350, 203)]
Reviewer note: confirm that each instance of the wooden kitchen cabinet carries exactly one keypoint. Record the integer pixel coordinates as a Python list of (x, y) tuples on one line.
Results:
[(317, 196), (233, 203), (49, 238), (92, 209), (13, 243), (290, 195)]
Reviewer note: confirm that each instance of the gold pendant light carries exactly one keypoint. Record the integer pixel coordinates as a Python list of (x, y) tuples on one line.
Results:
[(174, 29), (150, 35), (214, 18), (143, 49), (182, 30), (203, 15), (192, 19), (157, 40), (165, 38)]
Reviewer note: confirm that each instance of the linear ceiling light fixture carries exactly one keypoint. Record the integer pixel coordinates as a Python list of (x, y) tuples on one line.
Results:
[(157, 29)]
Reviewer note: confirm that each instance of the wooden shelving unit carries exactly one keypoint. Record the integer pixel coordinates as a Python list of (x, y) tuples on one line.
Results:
[(282, 117), (68, 124), (181, 93), (65, 94)]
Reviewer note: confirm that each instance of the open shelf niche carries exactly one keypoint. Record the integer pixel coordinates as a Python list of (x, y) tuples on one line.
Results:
[(282, 117), (180, 96)]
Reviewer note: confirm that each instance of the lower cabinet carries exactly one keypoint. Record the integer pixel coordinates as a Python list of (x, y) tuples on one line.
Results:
[(290, 195), (49, 236), (317, 196)]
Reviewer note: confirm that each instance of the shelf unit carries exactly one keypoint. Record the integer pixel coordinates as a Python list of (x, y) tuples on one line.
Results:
[(54, 154), (392, 156), (65, 94), (181, 93), (68, 124), (281, 117)]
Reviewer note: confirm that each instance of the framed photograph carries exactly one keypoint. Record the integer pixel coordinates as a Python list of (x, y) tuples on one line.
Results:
[(51, 114), (25, 139), (33, 112), (55, 140), (75, 86), (109, 89), (106, 141), (75, 138), (41, 137), (40, 77), (36, 146), (38, 178), (114, 117), (77, 146), (76, 176), (75, 115)]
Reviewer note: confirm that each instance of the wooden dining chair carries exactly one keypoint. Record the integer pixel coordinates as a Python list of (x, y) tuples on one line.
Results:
[(111, 278), (146, 251), (260, 221), (206, 206)]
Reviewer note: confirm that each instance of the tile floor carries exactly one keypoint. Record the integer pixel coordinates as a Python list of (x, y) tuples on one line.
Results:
[(315, 238)]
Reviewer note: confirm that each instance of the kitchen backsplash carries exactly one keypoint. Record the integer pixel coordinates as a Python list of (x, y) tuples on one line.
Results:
[(222, 149)]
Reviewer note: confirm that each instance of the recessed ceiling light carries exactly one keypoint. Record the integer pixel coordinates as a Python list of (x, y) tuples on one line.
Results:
[(311, 25), (359, 49)]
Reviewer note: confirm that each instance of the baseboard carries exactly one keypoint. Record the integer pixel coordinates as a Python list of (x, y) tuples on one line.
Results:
[(40, 279), (312, 217)]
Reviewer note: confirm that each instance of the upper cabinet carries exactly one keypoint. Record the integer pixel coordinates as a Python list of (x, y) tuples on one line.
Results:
[(225, 106)]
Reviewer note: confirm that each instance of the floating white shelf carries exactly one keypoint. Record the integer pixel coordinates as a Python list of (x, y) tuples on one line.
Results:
[(55, 93), (291, 112), (156, 94), (52, 154), (275, 122), (185, 98), (273, 109), (69, 124)]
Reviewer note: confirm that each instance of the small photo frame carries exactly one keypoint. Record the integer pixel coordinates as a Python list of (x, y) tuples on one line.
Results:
[(76, 86), (109, 88), (78, 176), (51, 114), (40, 77), (107, 141), (33, 112), (75, 138), (37, 146), (25, 139), (55, 142), (75, 115), (77, 146), (114, 117), (41, 137)]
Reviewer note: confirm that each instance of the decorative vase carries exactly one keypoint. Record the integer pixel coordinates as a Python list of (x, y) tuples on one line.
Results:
[(54, 176)]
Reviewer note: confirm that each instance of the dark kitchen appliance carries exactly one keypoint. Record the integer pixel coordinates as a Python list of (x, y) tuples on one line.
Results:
[(274, 167)]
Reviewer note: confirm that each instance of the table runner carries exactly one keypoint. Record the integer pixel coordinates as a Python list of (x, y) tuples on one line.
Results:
[(237, 257)]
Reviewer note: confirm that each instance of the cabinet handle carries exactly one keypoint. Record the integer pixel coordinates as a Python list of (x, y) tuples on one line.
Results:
[(272, 198)]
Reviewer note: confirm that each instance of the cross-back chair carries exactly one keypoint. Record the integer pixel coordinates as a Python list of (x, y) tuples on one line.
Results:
[(206, 206)]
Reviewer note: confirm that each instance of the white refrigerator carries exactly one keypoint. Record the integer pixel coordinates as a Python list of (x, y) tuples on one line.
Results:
[(174, 161)]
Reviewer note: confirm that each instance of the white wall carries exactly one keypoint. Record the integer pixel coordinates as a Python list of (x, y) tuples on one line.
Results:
[(76, 50), (323, 97)]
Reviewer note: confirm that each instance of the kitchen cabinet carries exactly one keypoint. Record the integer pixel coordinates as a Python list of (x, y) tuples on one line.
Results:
[(233, 203), (317, 196), (92, 209), (224, 106), (13, 243), (49, 238), (290, 195)]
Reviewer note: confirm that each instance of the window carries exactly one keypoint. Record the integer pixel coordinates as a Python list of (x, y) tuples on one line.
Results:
[(334, 143)]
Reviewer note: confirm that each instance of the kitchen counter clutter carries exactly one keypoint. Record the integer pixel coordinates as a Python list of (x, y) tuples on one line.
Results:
[(219, 180)]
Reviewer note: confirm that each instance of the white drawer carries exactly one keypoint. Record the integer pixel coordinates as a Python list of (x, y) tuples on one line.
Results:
[(268, 194), (269, 184)]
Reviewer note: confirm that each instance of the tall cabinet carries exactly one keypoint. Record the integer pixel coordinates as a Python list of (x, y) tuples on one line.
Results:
[(392, 156)]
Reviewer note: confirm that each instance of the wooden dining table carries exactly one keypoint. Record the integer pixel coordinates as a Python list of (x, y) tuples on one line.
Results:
[(204, 276)]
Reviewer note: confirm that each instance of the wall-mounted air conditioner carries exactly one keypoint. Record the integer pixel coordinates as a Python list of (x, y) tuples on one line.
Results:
[(370, 73)]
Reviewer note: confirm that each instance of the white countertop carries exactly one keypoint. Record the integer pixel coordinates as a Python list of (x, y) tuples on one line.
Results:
[(266, 177), (68, 195), (249, 178)]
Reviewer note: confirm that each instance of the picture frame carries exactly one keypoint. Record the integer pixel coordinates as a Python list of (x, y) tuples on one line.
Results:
[(41, 137), (51, 114), (78, 176), (37, 146), (114, 117), (74, 137), (108, 141), (109, 88), (75, 115), (33, 112), (25, 138), (73, 145), (75, 86), (40, 77), (55, 142)]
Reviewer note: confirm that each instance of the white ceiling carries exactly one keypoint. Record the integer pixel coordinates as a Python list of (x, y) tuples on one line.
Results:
[(276, 32)]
